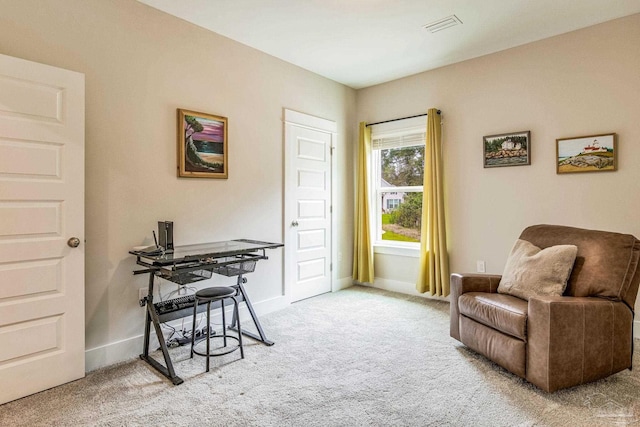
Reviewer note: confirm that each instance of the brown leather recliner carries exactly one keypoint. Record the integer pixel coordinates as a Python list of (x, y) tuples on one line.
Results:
[(556, 342)]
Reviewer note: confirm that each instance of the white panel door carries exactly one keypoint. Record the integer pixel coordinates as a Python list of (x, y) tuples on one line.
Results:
[(41, 208), (308, 206)]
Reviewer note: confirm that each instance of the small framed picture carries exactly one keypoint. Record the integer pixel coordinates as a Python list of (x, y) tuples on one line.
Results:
[(507, 149), (202, 145), (591, 153)]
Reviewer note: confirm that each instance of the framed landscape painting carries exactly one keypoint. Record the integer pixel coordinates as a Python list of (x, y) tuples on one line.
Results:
[(591, 153), (507, 149), (202, 145)]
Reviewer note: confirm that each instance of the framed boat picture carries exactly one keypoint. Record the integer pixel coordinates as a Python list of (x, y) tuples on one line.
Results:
[(591, 153), (202, 145)]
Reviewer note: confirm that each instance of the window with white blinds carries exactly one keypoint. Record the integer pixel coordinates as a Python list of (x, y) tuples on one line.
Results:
[(398, 141), (397, 177)]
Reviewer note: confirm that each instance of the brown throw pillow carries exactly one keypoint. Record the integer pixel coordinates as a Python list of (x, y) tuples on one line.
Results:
[(531, 271)]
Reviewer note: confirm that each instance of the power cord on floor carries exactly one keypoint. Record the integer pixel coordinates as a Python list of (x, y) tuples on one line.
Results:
[(185, 337)]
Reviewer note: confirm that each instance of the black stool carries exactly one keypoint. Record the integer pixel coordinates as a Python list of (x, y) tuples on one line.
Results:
[(209, 295)]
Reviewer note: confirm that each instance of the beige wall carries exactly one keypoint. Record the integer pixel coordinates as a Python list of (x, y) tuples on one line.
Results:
[(141, 65), (581, 83)]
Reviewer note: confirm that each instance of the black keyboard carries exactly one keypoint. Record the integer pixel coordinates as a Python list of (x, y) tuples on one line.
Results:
[(176, 304), (180, 307)]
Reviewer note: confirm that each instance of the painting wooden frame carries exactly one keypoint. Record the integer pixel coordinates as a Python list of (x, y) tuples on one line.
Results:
[(202, 145), (507, 149), (590, 153)]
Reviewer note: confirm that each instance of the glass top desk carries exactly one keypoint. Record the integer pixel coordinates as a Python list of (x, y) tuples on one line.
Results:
[(204, 251), (189, 264)]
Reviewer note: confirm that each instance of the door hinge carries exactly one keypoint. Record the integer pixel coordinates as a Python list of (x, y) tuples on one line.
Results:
[(331, 267), (330, 209), (331, 150)]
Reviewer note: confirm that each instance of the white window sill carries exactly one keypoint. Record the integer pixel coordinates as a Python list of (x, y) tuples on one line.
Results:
[(412, 251)]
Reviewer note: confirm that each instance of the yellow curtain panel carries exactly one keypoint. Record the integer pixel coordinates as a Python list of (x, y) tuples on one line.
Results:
[(362, 250), (434, 259)]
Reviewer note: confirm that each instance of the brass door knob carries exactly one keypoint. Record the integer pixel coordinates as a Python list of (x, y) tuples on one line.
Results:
[(73, 242)]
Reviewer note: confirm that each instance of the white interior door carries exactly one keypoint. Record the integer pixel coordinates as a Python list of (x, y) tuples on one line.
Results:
[(308, 235), (41, 208)]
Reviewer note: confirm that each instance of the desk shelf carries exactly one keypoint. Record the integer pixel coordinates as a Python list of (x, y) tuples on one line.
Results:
[(233, 268), (203, 269), (185, 278)]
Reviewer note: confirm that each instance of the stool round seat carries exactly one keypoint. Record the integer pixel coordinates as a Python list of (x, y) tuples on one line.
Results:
[(214, 295), (216, 292)]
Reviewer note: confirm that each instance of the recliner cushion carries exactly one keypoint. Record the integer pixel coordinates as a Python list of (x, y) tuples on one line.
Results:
[(504, 313)]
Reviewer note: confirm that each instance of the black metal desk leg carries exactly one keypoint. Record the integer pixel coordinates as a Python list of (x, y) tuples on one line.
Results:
[(262, 338), (147, 318), (152, 318)]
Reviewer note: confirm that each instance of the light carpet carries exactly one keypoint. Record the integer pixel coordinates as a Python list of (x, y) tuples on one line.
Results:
[(358, 357)]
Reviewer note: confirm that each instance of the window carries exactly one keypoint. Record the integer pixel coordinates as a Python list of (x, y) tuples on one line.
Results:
[(392, 204), (397, 176)]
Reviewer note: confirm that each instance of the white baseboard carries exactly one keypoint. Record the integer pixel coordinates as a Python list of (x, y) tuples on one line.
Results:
[(111, 353), (131, 348), (343, 283), (403, 288)]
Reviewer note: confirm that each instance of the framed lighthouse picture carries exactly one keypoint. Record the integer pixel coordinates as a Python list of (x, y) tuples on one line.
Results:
[(591, 153)]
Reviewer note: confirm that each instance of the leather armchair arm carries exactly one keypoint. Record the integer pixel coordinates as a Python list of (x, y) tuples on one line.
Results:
[(462, 283), (574, 340)]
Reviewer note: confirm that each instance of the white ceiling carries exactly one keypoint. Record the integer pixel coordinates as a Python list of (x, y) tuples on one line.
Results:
[(365, 42)]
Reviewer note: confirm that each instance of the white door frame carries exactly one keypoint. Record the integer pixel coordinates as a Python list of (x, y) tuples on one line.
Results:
[(316, 123)]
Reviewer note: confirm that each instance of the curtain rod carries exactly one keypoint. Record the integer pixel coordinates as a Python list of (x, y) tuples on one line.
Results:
[(401, 118)]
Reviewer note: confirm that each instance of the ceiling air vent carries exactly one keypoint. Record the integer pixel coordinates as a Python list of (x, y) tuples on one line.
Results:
[(442, 24)]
